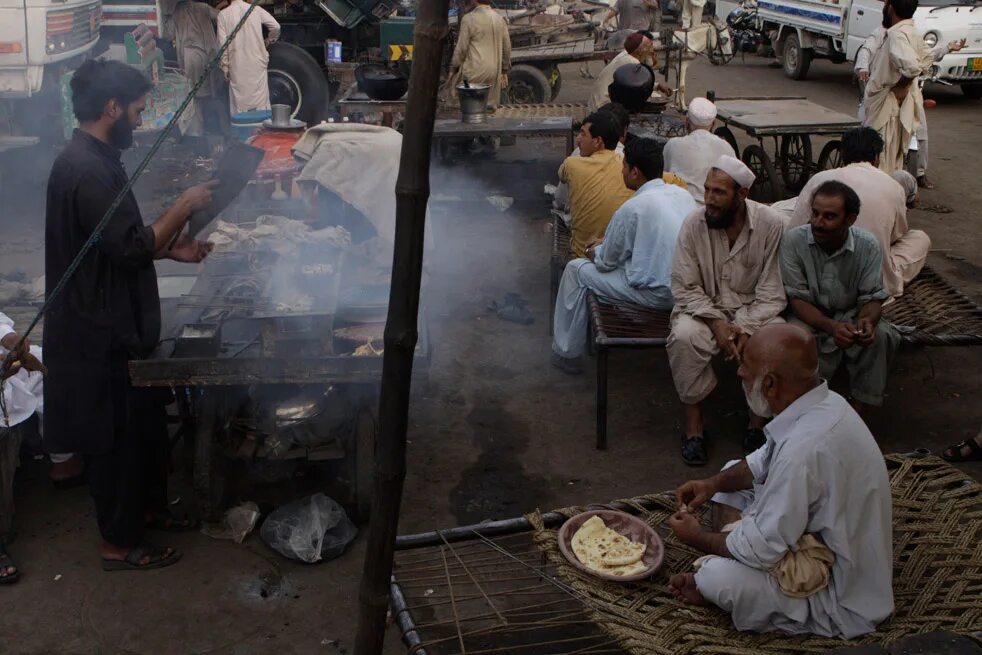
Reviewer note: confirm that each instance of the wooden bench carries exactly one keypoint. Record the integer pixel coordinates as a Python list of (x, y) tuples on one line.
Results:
[(931, 312)]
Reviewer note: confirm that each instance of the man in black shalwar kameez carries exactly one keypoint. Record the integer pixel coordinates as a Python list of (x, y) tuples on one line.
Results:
[(109, 314)]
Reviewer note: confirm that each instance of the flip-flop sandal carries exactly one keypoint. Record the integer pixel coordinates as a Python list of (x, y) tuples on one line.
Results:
[(694, 450), (974, 452), (157, 559), (5, 562), (167, 522)]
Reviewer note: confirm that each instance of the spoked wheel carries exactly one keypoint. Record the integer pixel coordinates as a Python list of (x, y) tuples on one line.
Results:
[(831, 156), (796, 160), (726, 134), (767, 187)]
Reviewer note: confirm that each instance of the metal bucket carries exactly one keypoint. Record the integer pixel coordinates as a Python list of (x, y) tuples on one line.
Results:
[(473, 102), (281, 115)]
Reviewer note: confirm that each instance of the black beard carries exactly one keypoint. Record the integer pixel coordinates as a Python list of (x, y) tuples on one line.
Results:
[(723, 221), (121, 134)]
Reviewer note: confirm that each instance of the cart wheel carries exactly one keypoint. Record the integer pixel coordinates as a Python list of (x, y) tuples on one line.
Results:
[(527, 85), (831, 156), (767, 187), (796, 160), (365, 439), (727, 135)]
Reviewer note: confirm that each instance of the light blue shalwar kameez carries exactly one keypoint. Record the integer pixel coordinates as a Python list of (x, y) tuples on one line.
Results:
[(634, 262)]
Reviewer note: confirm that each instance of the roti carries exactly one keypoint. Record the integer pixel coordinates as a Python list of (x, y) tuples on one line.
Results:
[(605, 551)]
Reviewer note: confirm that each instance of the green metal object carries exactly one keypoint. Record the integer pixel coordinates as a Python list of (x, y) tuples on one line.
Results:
[(349, 13), (396, 38)]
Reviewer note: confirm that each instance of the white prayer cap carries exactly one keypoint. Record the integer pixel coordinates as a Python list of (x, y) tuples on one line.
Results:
[(736, 169), (702, 112)]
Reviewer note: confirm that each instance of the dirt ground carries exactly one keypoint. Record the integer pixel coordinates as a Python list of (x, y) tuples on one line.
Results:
[(495, 430)]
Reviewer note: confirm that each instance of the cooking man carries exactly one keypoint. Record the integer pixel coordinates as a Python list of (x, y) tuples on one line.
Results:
[(107, 314), (192, 28), (833, 276), (483, 52), (691, 156), (819, 476), (726, 280), (891, 101), (246, 58)]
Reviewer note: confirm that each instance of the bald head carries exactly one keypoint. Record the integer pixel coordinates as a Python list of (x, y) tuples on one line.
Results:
[(782, 360)]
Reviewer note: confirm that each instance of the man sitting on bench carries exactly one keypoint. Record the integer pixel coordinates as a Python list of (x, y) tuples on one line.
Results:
[(633, 261), (727, 284), (833, 276), (810, 550)]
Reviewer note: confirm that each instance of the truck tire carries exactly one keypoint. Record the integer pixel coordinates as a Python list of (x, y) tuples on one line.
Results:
[(527, 85), (296, 79), (795, 59), (972, 91)]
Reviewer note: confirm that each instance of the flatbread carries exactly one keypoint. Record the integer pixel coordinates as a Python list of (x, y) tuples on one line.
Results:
[(603, 550)]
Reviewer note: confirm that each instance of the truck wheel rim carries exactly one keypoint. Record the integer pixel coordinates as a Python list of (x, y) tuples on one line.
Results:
[(285, 90)]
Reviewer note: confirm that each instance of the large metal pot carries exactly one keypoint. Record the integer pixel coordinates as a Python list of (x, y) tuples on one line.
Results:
[(381, 83), (473, 102)]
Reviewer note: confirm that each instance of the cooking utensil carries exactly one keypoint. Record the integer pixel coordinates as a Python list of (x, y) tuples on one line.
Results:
[(473, 102), (624, 524), (381, 83)]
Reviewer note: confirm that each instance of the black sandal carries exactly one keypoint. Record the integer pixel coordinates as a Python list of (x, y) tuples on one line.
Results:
[(955, 450), (157, 558), (694, 450), (6, 561)]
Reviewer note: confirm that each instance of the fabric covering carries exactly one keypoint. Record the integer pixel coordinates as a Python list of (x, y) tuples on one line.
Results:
[(937, 539)]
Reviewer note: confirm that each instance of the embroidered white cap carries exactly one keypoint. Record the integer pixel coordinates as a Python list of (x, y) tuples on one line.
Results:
[(736, 169)]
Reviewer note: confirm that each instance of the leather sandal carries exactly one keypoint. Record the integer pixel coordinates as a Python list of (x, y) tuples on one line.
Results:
[(694, 450), (953, 453)]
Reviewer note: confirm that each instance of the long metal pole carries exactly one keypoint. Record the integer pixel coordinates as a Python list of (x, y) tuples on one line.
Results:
[(412, 194)]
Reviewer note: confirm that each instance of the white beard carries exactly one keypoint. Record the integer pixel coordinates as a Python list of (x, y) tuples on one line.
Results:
[(756, 401)]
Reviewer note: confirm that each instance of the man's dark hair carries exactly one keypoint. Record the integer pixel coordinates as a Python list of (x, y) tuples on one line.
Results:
[(646, 155), (620, 113), (96, 82), (861, 144), (603, 124), (904, 8), (834, 188)]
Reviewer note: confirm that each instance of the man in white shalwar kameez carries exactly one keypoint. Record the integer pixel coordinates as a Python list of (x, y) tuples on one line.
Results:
[(891, 101), (246, 59), (691, 156), (636, 47), (483, 51), (633, 262), (819, 474)]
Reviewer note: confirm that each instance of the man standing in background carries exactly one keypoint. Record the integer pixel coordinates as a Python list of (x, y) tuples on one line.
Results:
[(244, 62), (634, 15), (483, 52)]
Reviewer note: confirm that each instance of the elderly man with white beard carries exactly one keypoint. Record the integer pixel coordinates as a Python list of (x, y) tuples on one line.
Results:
[(818, 483)]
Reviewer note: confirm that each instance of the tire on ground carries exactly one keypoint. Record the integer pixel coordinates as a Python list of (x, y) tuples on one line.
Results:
[(794, 58), (527, 85), (295, 78)]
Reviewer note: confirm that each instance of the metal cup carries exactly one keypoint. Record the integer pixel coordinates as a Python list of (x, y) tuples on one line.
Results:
[(281, 115)]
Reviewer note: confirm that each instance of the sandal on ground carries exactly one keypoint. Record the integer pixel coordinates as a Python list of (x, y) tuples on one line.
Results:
[(694, 450), (753, 439), (157, 558), (6, 561), (165, 521), (953, 453)]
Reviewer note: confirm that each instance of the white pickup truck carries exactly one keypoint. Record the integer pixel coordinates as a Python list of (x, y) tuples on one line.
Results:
[(40, 40), (801, 30)]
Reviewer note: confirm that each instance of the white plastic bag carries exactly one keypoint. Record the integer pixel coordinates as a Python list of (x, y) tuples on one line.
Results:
[(309, 529)]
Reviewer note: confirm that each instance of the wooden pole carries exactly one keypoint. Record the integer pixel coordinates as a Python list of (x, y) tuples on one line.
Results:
[(412, 194)]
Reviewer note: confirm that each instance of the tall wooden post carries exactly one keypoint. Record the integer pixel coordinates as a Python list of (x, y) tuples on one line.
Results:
[(412, 194)]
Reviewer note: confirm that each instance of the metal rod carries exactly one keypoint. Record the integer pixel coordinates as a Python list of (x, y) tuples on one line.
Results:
[(400, 612)]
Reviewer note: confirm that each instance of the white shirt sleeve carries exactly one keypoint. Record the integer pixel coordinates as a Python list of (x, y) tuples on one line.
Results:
[(6, 327)]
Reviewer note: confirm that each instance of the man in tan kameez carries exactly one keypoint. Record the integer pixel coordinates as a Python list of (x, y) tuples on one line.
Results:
[(891, 102), (483, 52), (726, 280)]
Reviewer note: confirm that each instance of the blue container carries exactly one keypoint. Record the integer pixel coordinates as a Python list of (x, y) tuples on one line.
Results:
[(246, 123), (332, 51)]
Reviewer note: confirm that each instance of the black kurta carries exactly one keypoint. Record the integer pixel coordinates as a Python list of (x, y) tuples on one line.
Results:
[(108, 313)]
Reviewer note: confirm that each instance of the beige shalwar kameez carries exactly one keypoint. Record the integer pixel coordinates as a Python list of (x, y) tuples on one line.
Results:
[(483, 52), (599, 93), (246, 59), (710, 281), (883, 211), (192, 29), (899, 57)]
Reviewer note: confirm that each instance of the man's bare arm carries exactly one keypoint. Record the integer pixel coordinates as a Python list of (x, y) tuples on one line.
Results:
[(712, 543), (735, 478)]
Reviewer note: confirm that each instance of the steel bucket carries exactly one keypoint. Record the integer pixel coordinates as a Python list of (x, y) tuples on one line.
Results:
[(473, 102)]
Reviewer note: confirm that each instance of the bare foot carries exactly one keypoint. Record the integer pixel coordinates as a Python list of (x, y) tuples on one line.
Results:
[(683, 587), (118, 554)]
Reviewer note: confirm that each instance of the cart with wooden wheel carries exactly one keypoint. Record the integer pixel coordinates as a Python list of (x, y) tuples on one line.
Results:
[(790, 122)]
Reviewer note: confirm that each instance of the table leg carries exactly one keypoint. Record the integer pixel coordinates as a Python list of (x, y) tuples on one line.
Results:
[(208, 484)]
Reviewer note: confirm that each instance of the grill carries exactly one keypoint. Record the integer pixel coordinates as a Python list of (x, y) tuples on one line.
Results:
[(963, 73), (69, 29)]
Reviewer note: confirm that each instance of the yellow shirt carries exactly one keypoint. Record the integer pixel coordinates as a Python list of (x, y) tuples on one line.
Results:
[(596, 190), (672, 178)]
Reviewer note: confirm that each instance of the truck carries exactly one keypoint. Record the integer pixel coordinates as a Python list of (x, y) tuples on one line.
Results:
[(40, 41), (802, 30)]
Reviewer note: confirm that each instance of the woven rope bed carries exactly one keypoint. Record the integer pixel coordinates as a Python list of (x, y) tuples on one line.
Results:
[(937, 575)]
